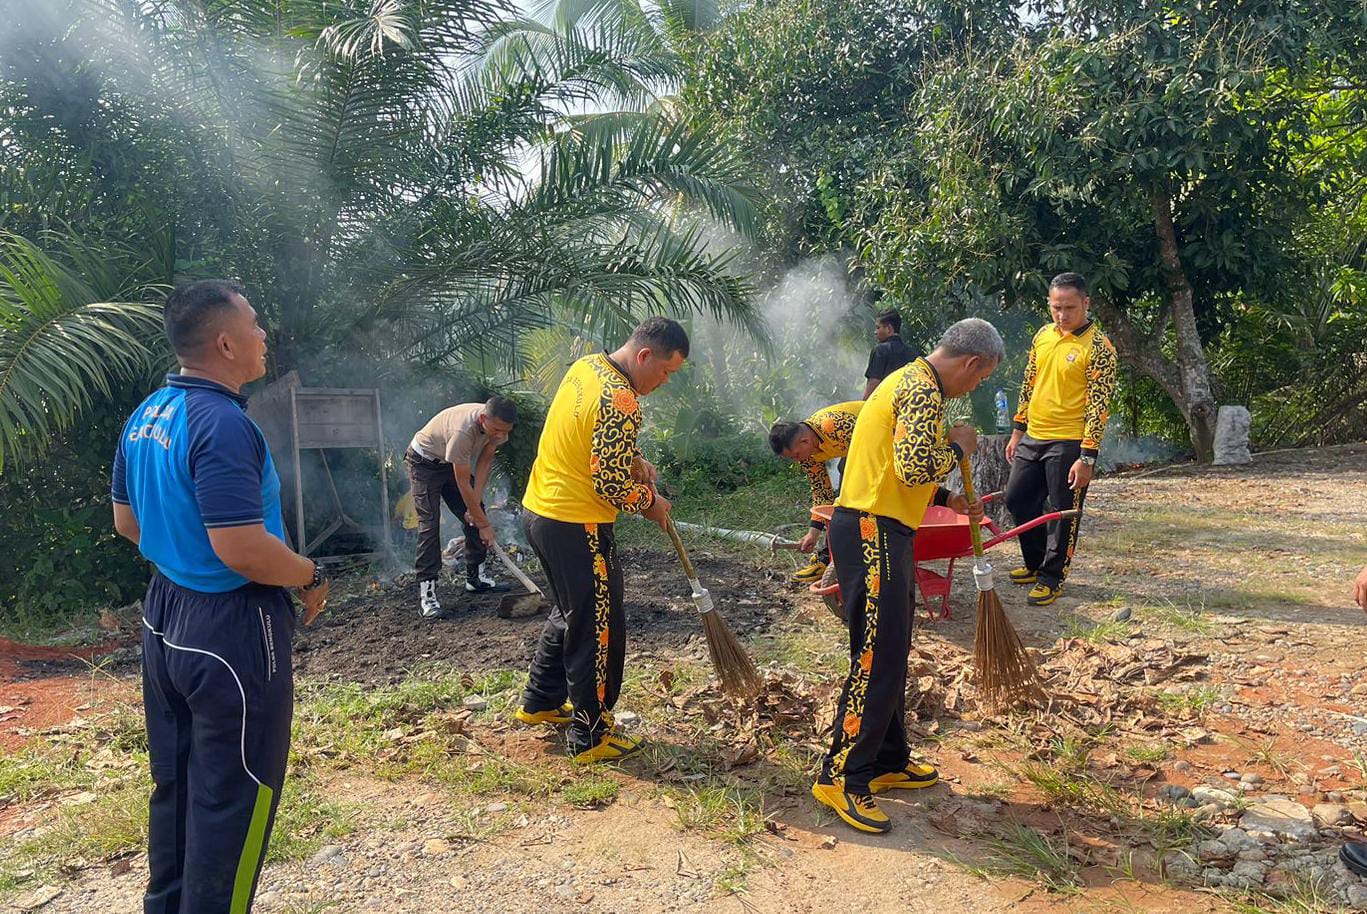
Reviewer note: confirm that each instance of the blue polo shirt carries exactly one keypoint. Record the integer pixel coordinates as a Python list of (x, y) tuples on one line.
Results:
[(190, 460)]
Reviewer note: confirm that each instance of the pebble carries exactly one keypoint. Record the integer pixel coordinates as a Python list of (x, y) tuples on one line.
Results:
[(496, 807), (1122, 614), (1332, 814), (434, 847), (332, 853), (1252, 778), (627, 717), (1213, 796), (475, 702), (1181, 765), (1279, 816)]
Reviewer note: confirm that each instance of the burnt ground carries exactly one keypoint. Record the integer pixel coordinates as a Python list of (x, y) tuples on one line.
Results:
[(376, 635)]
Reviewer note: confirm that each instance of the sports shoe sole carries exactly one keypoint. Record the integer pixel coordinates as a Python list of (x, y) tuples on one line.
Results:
[(849, 818), (1044, 601), (877, 787)]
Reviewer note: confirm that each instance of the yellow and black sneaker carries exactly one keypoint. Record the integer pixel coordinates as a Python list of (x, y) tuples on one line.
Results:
[(555, 716), (1043, 594), (912, 777), (857, 809), (812, 572), (612, 747), (1023, 575)]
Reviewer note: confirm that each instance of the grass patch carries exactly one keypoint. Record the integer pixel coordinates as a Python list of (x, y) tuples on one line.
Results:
[(1187, 618), (592, 791), (1192, 701), (307, 819), (1147, 753), (1095, 632), (1302, 895), (733, 814), (1027, 854), (1077, 791)]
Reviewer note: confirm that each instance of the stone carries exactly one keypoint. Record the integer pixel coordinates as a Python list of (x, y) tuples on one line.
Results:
[(1177, 865), (1359, 810), (331, 853), (1279, 816), (1231, 436), (435, 847), (496, 808), (1181, 765), (1357, 896), (1205, 812), (1174, 792), (1256, 854), (1237, 838), (627, 717), (1207, 795), (38, 898), (1122, 614), (1332, 814), (475, 703), (1251, 778)]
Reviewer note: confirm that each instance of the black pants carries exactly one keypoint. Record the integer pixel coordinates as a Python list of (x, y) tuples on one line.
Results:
[(433, 482), (218, 691), (583, 645), (1039, 474), (873, 564)]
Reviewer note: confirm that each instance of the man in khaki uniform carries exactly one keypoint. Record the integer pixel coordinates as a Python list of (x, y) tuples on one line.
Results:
[(449, 460)]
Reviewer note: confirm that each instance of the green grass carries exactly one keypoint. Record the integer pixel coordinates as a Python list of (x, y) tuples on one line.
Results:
[(1301, 896), (733, 814), (1147, 753), (1024, 853), (1095, 632), (1080, 792), (1193, 701), (1189, 619), (308, 818), (591, 791)]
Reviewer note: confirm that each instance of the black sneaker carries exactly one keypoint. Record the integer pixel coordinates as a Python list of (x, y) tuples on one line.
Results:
[(484, 586), (444, 612)]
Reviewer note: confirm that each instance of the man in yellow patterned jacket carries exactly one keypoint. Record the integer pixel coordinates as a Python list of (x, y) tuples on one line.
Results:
[(900, 453), (1064, 402), (588, 469), (823, 436)]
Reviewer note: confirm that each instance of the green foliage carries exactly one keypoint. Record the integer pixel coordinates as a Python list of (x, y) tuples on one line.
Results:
[(59, 554)]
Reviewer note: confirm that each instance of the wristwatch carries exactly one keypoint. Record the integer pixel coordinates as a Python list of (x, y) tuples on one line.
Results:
[(1088, 461), (318, 577)]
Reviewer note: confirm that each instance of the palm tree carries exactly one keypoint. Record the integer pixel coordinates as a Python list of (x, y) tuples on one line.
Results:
[(65, 338)]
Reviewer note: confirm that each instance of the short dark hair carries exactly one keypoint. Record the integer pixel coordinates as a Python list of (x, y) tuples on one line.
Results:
[(891, 318), (662, 335), (191, 309), (782, 435), (501, 408), (1070, 281)]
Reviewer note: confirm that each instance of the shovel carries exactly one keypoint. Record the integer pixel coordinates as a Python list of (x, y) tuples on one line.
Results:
[(519, 604)]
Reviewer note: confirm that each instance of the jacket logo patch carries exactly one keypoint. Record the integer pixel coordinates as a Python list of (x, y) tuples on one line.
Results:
[(1072, 355)]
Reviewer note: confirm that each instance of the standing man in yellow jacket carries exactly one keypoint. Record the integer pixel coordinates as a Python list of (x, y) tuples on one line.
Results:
[(587, 469), (900, 454), (824, 436), (1064, 402)]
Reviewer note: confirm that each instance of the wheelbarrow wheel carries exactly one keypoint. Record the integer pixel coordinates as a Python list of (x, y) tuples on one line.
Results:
[(832, 600)]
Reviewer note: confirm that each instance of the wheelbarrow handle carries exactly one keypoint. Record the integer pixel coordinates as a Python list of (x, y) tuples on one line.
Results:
[(1070, 514)]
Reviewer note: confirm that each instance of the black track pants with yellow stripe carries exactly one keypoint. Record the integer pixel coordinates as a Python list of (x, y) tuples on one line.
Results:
[(583, 644), (873, 564)]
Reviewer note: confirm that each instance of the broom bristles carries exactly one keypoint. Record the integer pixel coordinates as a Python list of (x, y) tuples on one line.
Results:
[(1006, 674), (734, 668)]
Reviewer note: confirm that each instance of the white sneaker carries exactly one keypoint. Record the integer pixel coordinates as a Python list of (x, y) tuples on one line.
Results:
[(431, 606), (483, 583)]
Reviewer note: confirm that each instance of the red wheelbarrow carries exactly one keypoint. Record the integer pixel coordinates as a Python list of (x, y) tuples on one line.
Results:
[(942, 536)]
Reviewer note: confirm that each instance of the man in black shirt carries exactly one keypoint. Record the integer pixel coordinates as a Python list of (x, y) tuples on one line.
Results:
[(890, 354)]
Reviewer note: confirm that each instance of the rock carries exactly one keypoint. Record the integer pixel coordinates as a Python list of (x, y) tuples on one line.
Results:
[(627, 717), (496, 808), (1205, 812), (1251, 778), (1231, 436), (1213, 849), (266, 899), (1174, 792), (435, 847), (37, 898), (1279, 816), (1256, 854), (1237, 838), (1359, 810), (1359, 689), (332, 853), (1207, 795), (1357, 896), (1232, 775), (475, 703), (1332, 814), (1181, 765), (1178, 866), (1122, 614)]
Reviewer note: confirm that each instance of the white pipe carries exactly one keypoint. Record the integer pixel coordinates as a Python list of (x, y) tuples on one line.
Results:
[(772, 540)]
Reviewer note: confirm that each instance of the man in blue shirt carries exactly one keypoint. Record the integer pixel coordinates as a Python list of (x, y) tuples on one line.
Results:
[(196, 491)]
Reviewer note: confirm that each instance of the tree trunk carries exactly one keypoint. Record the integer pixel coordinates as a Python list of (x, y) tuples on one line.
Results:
[(990, 472), (1198, 398)]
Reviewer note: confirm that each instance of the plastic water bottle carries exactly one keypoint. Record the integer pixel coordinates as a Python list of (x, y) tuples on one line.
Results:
[(1003, 412)]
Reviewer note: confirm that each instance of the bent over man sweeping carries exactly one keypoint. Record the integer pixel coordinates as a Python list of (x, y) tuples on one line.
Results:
[(822, 437), (899, 455), (587, 469)]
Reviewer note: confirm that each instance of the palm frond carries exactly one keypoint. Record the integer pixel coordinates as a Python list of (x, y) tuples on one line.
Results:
[(60, 347)]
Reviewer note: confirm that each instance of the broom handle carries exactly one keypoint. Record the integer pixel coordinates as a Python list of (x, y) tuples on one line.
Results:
[(679, 548), (974, 530)]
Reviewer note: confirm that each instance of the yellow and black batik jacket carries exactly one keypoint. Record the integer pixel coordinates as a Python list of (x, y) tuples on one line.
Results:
[(1069, 382), (582, 472), (834, 427), (899, 453)]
